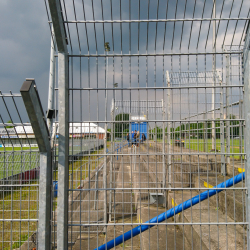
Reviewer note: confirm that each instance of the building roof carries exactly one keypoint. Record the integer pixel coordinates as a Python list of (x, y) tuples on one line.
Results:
[(74, 128), (82, 128)]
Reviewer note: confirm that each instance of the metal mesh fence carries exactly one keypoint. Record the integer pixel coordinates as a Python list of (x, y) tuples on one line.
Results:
[(19, 177), (163, 82)]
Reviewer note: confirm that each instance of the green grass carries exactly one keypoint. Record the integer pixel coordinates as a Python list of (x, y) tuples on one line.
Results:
[(80, 167), (20, 203), (22, 239), (23, 202), (198, 145), (17, 149), (16, 162)]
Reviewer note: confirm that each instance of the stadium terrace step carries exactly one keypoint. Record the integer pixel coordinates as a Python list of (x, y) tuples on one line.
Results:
[(215, 235), (117, 230), (122, 204), (235, 168), (83, 208), (161, 236), (88, 241), (231, 202)]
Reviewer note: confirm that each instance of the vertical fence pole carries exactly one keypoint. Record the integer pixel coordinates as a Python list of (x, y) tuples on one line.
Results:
[(35, 112), (163, 151), (168, 130), (222, 135), (111, 160), (214, 78), (246, 65), (240, 126), (107, 49), (63, 118), (134, 152), (204, 133), (63, 158), (227, 111), (51, 110)]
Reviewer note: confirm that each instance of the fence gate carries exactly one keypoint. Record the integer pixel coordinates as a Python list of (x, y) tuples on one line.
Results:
[(177, 72)]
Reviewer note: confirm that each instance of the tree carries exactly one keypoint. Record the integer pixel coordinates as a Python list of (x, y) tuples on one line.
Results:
[(180, 131), (121, 126), (234, 124), (9, 126), (156, 131)]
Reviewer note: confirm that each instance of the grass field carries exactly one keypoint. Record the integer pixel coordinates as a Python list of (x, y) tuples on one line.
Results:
[(20, 203), (198, 145), (14, 162), (17, 149)]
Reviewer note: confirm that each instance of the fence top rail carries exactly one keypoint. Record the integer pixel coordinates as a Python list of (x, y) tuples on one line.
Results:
[(159, 20)]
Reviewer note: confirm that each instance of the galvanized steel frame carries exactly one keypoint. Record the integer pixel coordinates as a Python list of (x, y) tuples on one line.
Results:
[(63, 57)]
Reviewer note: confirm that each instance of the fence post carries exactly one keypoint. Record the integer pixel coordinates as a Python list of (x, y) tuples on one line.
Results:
[(227, 111), (246, 65), (35, 112), (63, 118), (222, 135), (240, 126), (111, 160), (168, 131), (50, 112), (163, 151), (63, 158)]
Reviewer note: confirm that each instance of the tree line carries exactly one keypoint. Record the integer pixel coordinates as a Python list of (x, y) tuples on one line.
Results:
[(198, 129), (192, 129)]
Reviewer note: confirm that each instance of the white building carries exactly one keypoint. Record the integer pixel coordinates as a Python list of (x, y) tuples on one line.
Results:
[(24, 135)]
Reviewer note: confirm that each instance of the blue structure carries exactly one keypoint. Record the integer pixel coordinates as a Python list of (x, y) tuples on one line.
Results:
[(142, 127)]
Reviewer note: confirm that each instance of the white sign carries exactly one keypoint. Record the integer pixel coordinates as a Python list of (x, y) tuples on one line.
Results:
[(138, 118)]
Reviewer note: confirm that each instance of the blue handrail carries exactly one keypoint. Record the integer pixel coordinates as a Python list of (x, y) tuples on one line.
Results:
[(171, 212)]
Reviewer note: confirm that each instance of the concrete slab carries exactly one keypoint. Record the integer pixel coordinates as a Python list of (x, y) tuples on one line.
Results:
[(231, 202), (202, 235), (117, 230), (88, 241), (123, 200), (160, 236)]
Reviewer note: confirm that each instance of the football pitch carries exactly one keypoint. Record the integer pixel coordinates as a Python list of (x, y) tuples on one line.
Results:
[(15, 161)]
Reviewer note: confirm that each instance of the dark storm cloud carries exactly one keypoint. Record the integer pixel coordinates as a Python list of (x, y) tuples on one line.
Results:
[(25, 45), (25, 41), (143, 38)]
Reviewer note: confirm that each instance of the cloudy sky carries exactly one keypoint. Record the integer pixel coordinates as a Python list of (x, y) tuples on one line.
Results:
[(25, 45)]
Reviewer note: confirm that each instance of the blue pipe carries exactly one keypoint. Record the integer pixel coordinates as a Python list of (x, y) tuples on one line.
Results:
[(171, 212)]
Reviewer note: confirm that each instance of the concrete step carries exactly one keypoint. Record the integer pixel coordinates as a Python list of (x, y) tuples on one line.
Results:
[(86, 207), (231, 202), (200, 234), (144, 184), (154, 169), (88, 241), (160, 236), (122, 200), (114, 231)]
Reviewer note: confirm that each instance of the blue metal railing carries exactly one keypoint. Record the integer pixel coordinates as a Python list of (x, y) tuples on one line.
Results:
[(171, 212)]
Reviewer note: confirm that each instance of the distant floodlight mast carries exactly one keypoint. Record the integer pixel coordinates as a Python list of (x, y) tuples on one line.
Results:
[(214, 78), (115, 86), (107, 49)]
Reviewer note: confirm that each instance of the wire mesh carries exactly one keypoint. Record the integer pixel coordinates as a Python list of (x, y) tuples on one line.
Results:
[(19, 176), (172, 71)]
